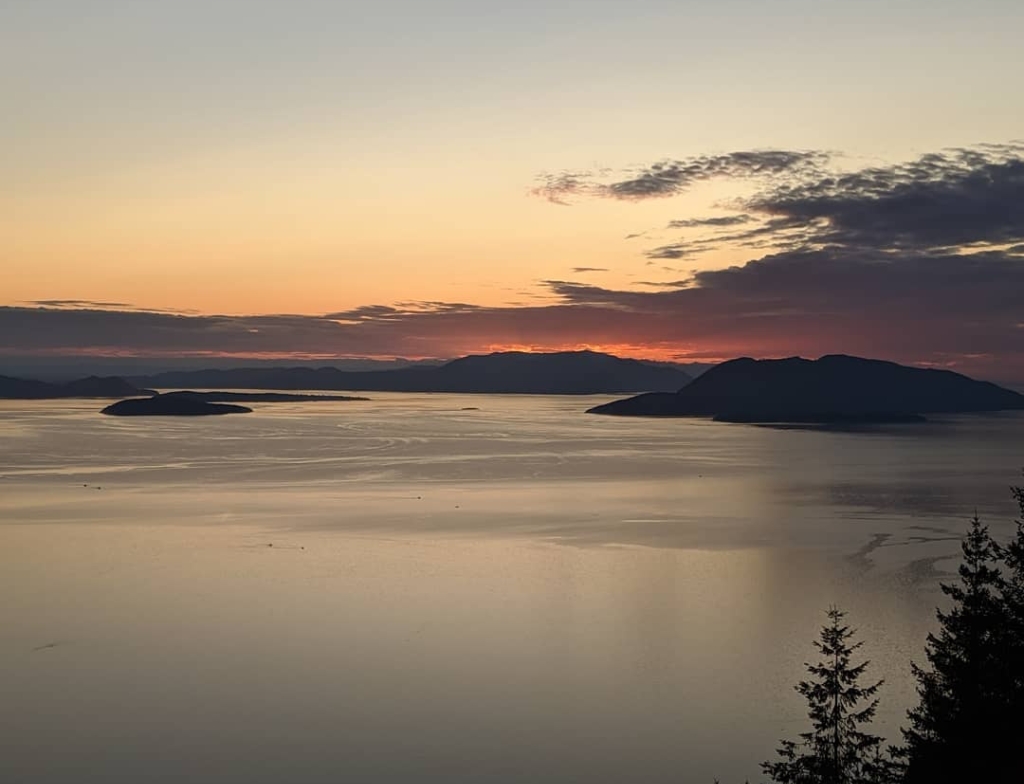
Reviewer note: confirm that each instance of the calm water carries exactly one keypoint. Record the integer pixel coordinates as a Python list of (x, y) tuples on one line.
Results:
[(411, 590)]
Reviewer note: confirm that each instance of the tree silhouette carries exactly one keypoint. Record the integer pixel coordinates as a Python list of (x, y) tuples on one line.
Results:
[(1012, 661), (836, 750), (1014, 592), (962, 730)]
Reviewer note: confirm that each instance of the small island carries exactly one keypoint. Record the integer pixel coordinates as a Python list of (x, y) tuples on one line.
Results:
[(190, 403), (172, 404)]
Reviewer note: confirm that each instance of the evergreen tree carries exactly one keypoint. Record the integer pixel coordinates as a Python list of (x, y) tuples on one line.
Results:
[(1014, 556), (962, 730), (1013, 597), (836, 750)]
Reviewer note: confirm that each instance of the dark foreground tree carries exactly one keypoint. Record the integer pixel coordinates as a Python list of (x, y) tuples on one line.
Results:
[(1014, 601), (965, 728), (836, 750)]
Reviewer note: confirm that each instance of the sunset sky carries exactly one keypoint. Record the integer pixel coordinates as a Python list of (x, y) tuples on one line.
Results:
[(427, 178)]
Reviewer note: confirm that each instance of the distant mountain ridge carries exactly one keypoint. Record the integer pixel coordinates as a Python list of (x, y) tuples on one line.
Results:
[(512, 372), (92, 386), (60, 369), (835, 387)]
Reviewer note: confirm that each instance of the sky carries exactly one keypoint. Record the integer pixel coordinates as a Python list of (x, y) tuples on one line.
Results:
[(428, 178)]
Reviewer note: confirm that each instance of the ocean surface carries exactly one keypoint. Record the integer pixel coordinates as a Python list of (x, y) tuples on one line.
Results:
[(456, 588)]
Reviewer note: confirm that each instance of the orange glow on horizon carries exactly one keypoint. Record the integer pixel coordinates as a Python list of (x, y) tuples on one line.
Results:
[(624, 351)]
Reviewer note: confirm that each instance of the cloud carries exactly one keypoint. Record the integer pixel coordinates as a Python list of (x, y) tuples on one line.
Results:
[(671, 177), (668, 178), (942, 200), (719, 222), (559, 188), (79, 304), (399, 310), (677, 250), (26, 330), (768, 236), (581, 270), (666, 284), (88, 304)]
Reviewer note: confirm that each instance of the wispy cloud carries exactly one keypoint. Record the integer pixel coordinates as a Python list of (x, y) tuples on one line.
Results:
[(724, 221), (675, 250), (671, 177), (89, 304), (81, 303)]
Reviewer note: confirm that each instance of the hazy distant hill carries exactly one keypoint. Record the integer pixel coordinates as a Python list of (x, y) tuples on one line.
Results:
[(564, 373), (93, 386), (60, 369), (832, 388)]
